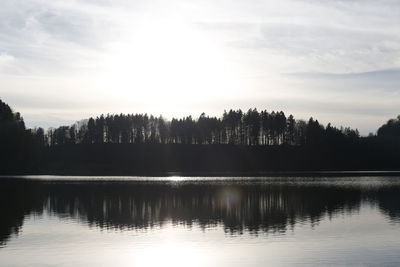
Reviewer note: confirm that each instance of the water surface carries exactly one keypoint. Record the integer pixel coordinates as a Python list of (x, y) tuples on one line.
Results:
[(178, 221)]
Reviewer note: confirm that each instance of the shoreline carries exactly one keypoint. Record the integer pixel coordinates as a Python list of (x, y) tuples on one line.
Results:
[(294, 174)]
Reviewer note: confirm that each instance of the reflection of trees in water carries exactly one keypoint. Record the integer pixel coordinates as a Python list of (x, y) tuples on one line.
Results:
[(388, 200), (237, 207), (17, 199)]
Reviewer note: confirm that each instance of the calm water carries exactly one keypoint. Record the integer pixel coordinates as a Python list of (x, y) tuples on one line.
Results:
[(103, 221)]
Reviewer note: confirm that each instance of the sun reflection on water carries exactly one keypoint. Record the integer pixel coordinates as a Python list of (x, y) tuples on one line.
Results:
[(170, 253), (176, 178)]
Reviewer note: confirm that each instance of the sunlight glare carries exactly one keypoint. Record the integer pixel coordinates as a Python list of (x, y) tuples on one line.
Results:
[(169, 253), (167, 62), (176, 178)]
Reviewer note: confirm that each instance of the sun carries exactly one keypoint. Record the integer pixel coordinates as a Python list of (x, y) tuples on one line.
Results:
[(167, 61)]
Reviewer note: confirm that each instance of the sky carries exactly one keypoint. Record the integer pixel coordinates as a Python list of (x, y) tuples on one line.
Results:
[(335, 60)]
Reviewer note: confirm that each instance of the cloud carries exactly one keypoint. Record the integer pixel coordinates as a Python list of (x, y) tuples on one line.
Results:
[(48, 37), (6, 62), (326, 48), (386, 80), (388, 74)]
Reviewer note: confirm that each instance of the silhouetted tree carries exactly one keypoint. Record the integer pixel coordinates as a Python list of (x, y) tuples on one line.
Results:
[(16, 142), (232, 122), (252, 126), (72, 134), (91, 131), (99, 129), (314, 132), (39, 136), (290, 130), (390, 131)]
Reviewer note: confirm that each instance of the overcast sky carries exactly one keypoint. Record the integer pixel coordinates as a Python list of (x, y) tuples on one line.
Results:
[(338, 61)]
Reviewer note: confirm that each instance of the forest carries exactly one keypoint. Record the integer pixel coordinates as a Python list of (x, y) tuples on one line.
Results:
[(234, 127), (32, 150)]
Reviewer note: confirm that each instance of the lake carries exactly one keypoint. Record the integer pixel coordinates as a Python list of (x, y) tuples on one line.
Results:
[(181, 221)]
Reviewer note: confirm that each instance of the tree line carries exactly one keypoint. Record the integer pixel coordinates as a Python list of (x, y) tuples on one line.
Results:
[(25, 150), (233, 127)]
